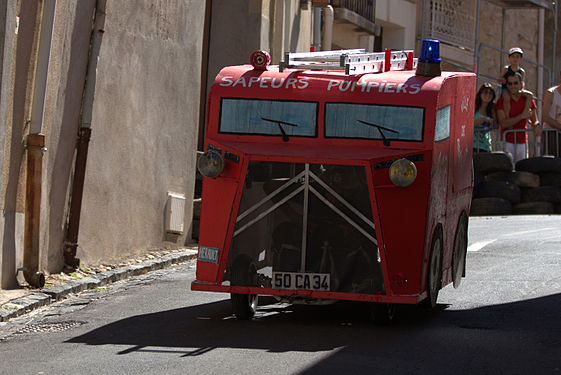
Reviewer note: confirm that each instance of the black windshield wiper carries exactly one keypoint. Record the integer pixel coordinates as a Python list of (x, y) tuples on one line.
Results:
[(280, 123), (380, 128)]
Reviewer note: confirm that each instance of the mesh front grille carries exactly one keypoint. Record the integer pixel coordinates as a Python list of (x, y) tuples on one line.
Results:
[(305, 219)]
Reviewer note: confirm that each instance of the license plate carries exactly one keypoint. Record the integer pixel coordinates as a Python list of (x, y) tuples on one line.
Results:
[(297, 280)]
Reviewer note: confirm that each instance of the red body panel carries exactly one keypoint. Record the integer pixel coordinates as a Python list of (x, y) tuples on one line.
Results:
[(404, 218)]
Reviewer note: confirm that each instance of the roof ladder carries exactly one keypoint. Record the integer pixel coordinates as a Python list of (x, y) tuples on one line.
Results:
[(352, 61)]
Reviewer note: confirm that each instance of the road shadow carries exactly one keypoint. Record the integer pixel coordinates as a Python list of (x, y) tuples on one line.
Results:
[(276, 327), (507, 338)]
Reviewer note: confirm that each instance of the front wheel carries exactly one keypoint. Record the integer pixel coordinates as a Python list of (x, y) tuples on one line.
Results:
[(434, 274), (460, 251), (244, 305), (243, 274)]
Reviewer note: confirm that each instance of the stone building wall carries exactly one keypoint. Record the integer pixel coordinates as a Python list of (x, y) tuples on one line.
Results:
[(521, 30)]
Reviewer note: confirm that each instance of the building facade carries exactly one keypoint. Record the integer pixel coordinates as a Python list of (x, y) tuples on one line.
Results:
[(133, 77), (141, 105)]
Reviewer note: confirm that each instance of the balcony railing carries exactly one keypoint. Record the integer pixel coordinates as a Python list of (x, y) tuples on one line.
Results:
[(364, 8)]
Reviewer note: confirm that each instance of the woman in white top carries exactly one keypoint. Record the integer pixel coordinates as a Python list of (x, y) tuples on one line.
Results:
[(551, 118)]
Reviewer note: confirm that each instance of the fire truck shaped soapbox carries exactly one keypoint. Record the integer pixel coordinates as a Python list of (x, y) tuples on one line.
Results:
[(337, 175)]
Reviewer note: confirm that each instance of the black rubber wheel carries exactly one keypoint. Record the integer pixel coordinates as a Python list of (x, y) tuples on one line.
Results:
[(550, 179), (383, 313), (488, 162), (460, 250), (497, 189), (533, 208), (434, 272), (542, 194), (243, 273), (490, 206), (520, 178), (539, 164), (478, 178)]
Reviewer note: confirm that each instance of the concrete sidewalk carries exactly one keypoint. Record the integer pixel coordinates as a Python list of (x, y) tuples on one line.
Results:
[(17, 302)]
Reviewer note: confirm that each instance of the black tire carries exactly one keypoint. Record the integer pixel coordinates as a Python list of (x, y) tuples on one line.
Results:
[(533, 208), (488, 162), (497, 189), (539, 164), (460, 250), (550, 179), (557, 208), (519, 178), (478, 178), (541, 194), (383, 313), (490, 207), (434, 271), (243, 273)]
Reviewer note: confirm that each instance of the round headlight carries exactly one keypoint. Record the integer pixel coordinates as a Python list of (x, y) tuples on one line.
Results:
[(210, 164), (403, 172)]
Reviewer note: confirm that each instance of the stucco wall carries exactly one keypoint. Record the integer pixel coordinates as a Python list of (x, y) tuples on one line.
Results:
[(67, 73), (144, 127)]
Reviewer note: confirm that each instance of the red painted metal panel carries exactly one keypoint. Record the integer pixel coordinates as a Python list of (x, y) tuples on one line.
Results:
[(404, 218)]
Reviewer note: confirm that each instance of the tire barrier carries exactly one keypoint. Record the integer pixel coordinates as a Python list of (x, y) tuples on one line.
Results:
[(532, 186)]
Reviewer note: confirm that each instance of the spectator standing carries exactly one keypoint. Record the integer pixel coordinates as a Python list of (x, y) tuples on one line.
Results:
[(517, 117), (515, 57), (485, 118), (551, 119)]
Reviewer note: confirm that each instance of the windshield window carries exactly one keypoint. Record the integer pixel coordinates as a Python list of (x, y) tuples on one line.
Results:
[(371, 121), (268, 117)]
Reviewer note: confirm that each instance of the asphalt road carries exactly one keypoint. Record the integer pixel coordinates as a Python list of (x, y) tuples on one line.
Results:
[(505, 318)]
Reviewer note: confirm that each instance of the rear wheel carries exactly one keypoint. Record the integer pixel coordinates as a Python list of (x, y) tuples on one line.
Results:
[(434, 274), (460, 251), (243, 274)]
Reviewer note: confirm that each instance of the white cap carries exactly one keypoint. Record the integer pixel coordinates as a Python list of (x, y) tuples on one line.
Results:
[(515, 50)]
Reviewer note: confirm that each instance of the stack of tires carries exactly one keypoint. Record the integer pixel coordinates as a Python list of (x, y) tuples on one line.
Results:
[(532, 186)]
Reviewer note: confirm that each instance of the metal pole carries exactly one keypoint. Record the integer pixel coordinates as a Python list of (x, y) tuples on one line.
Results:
[(41, 74), (554, 52), (423, 15), (476, 46), (503, 38), (317, 29)]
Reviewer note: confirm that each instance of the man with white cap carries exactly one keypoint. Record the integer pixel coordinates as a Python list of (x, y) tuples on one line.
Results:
[(517, 117)]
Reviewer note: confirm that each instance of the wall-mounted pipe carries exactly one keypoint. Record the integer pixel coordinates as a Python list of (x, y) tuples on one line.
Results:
[(317, 29), (41, 72), (35, 149), (327, 35), (84, 133)]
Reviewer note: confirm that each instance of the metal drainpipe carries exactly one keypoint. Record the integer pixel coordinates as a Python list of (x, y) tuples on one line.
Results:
[(317, 29), (541, 36), (84, 133), (35, 149), (327, 36)]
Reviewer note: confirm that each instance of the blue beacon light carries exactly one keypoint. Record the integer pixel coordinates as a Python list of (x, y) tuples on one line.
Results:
[(429, 61), (430, 51)]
